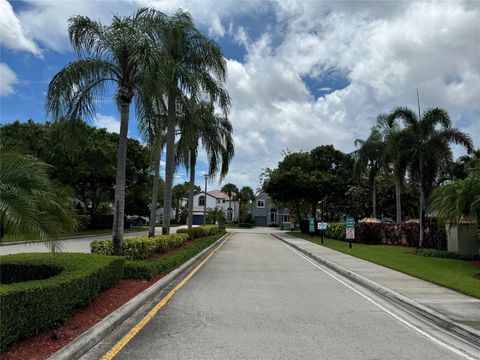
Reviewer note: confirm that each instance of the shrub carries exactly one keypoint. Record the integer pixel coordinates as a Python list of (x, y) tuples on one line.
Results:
[(32, 306), (369, 233), (146, 269), (435, 235), (140, 248), (335, 231), (392, 234), (244, 225), (199, 231)]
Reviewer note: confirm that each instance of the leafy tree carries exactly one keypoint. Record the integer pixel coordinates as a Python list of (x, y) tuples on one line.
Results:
[(425, 142), (191, 64), (200, 124), (231, 190), (245, 197), (30, 203), (122, 53)]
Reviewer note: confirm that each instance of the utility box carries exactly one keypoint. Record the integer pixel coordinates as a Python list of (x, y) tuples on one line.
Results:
[(286, 226)]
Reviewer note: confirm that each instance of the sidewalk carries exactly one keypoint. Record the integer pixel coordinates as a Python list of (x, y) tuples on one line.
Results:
[(459, 308)]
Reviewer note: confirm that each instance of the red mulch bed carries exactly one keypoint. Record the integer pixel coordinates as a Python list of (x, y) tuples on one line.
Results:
[(43, 345)]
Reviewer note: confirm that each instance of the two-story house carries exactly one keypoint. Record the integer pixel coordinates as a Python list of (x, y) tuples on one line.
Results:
[(265, 212), (214, 199)]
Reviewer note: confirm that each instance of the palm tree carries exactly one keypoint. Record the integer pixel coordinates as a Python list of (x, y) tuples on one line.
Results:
[(191, 64), (122, 53), (30, 203), (370, 156), (201, 124), (231, 190), (245, 197), (425, 142)]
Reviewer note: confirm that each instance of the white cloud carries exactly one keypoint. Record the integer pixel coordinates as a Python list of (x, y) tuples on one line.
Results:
[(8, 79), (12, 33), (107, 122)]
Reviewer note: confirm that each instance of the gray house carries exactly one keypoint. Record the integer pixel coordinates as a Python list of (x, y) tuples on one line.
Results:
[(266, 213)]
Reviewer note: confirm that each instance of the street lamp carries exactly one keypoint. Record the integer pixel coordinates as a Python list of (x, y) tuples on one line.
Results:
[(205, 202)]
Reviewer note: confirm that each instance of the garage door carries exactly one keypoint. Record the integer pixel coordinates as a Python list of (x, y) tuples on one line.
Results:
[(260, 221), (197, 220)]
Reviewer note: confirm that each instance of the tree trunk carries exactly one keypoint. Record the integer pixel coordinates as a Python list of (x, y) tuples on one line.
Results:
[(191, 191), (398, 200), (170, 164), (156, 177), (119, 205), (422, 207), (374, 199)]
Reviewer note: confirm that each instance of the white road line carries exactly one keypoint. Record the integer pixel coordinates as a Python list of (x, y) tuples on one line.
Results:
[(369, 299)]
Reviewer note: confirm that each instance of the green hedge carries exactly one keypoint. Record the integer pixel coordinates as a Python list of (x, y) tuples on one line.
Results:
[(146, 269), (142, 247), (199, 231), (30, 307)]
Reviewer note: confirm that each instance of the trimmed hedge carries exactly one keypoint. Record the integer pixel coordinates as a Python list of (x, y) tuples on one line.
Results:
[(142, 247), (446, 254), (146, 269), (199, 231), (30, 307)]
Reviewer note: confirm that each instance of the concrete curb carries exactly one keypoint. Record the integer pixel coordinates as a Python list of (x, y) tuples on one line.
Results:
[(88, 339), (465, 332)]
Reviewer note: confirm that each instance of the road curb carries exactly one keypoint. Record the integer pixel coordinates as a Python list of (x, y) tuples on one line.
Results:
[(465, 332), (88, 339)]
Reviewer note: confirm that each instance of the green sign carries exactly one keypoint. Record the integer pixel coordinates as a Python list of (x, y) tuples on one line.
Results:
[(350, 223), (311, 225)]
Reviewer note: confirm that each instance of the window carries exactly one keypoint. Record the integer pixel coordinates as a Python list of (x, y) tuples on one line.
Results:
[(219, 201), (285, 218), (223, 201), (260, 203), (201, 201), (273, 216)]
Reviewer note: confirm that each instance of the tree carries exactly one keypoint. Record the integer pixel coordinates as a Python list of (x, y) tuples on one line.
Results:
[(245, 197), (370, 156), (231, 190), (30, 203), (121, 53), (200, 124), (191, 64), (425, 142)]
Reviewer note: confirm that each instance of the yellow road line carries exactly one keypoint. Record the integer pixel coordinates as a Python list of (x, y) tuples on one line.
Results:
[(134, 331)]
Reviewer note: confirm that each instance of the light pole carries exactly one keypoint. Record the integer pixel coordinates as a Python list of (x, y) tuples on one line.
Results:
[(205, 202)]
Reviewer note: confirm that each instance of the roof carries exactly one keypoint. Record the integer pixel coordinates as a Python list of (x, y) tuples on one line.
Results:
[(218, 194)]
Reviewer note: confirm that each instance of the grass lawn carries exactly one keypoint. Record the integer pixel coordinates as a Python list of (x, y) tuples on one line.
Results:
[(8, 238), (455, 274)]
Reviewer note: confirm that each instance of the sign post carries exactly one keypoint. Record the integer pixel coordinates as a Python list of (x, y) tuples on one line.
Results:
[(322, 227), (311, 226), (350, 230)]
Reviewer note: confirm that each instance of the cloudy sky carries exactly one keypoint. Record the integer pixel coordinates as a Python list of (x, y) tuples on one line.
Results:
[(300, 73)]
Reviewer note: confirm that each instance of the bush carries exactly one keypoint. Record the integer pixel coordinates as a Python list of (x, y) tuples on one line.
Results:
[(244, 225), (32, 306), (369, 233), (140, 248), (146, 269), (336, 231), (435, 235), (199, 231)]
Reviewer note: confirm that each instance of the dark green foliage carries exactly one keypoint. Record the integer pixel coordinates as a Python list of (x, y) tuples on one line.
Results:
[(146, 269), (446, 254), (30, 307), (13, 273), (199, 231), (245, 225)]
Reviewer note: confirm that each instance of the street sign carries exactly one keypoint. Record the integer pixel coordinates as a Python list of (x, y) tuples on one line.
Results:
[(350, 223), (350, 233), (311, 225), (322, 226)]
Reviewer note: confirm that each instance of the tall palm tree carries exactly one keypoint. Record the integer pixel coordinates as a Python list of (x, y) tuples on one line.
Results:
[(231, 190), (370, 156), (200, 124), (191, 64), (122, 53), (152, 120), (30, 203), (425, 142), (245, 197)]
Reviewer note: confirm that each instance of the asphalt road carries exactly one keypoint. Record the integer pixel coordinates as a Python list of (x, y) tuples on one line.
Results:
[(257, 299)]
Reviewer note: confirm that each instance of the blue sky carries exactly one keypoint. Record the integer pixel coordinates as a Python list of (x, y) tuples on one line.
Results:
[(301, 74)]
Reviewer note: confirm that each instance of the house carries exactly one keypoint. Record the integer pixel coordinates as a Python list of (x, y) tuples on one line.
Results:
[(266, 213), (159, 214), (214, 199)]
